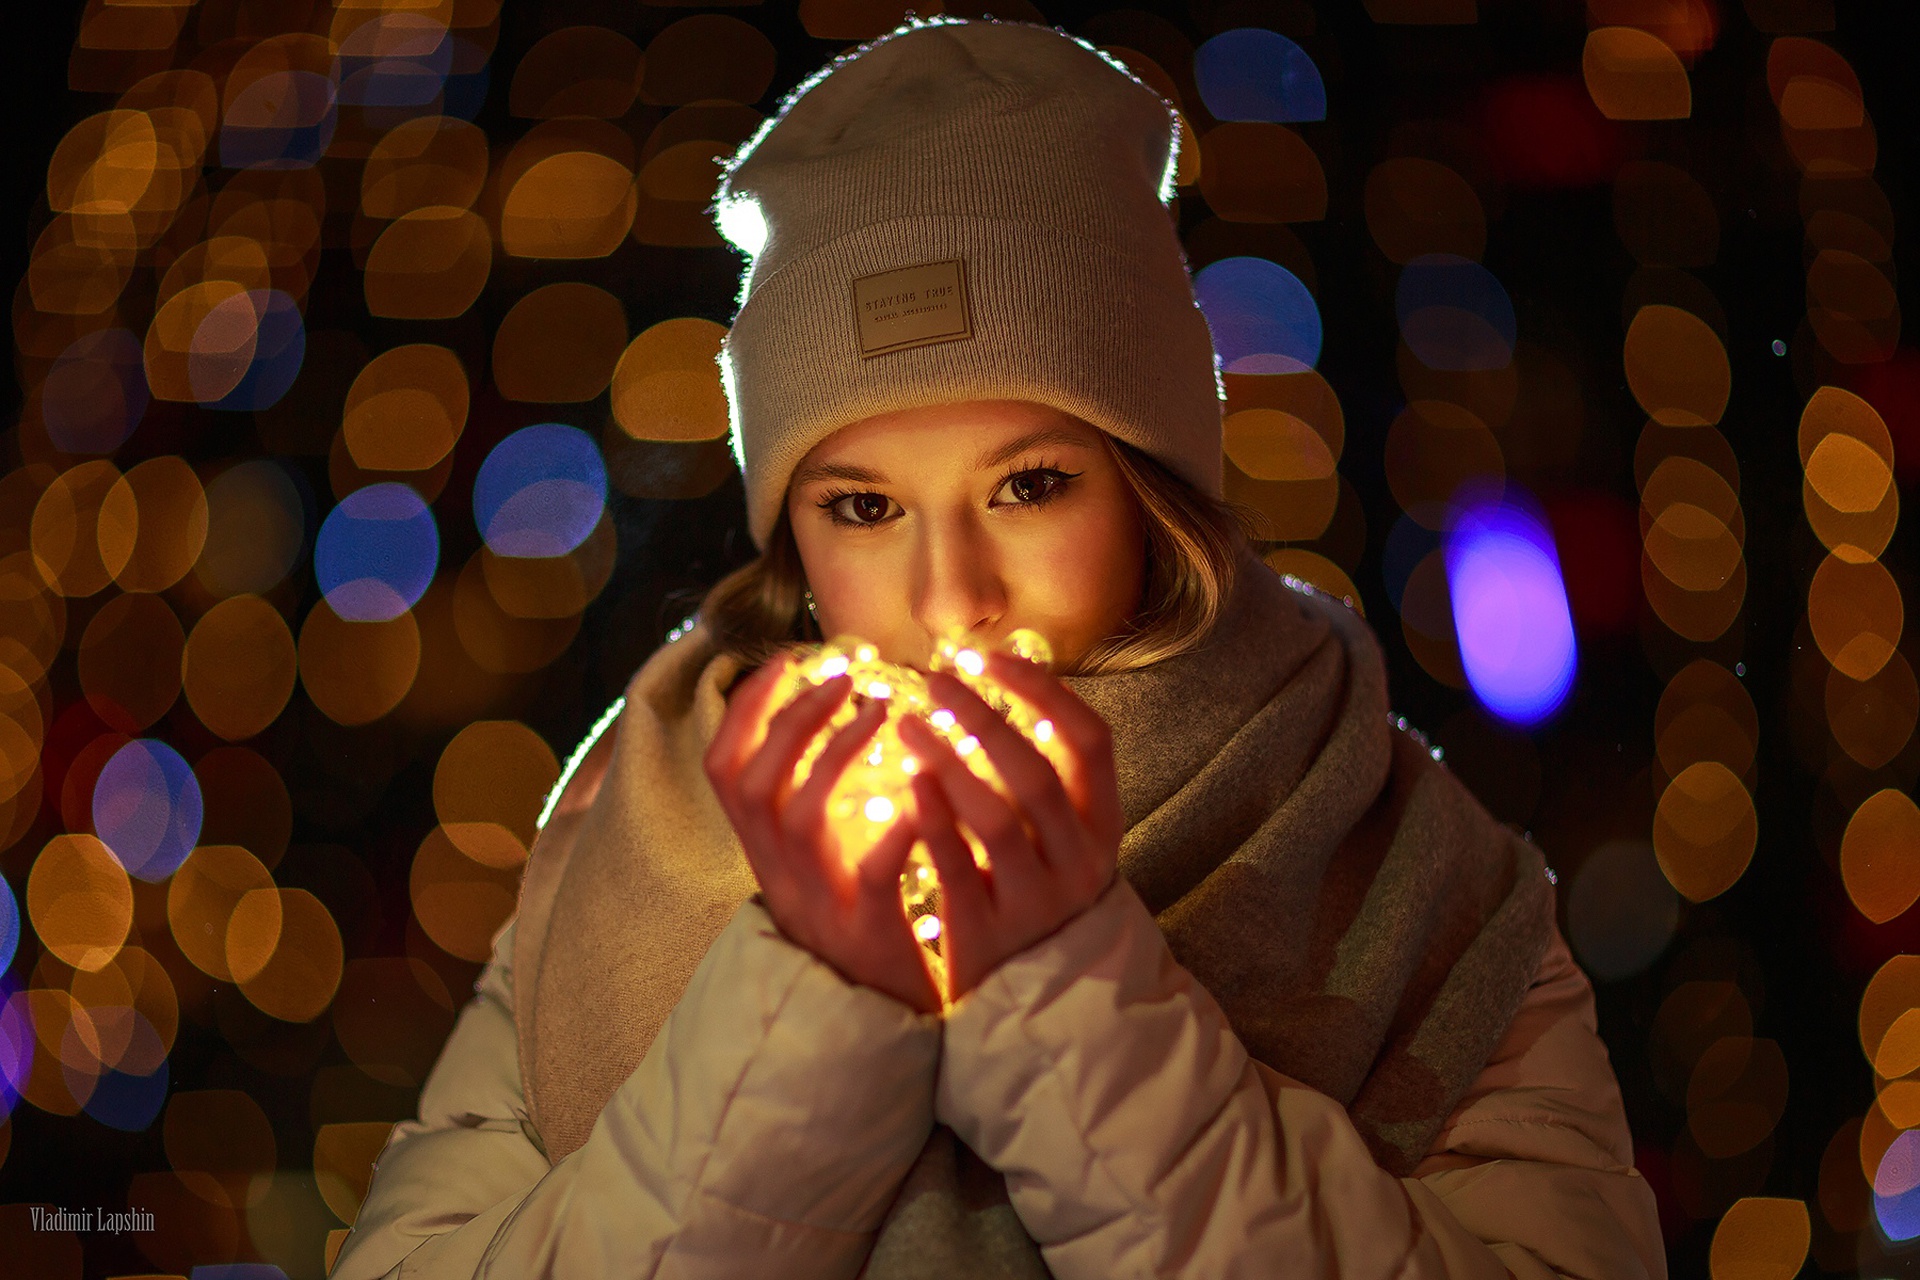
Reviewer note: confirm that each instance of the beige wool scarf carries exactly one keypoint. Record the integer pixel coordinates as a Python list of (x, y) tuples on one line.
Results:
[(1367, 926)]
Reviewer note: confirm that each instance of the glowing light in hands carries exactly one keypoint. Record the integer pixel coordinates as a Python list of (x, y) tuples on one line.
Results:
[(876, 785)]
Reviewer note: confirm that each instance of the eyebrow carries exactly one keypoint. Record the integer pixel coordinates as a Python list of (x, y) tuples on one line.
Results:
[(989, 458)]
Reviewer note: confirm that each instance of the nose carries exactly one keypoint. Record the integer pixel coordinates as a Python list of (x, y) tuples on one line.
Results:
[(957, 582)]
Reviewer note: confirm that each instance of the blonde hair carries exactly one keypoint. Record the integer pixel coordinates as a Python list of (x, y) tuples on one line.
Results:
[(1195, 546)]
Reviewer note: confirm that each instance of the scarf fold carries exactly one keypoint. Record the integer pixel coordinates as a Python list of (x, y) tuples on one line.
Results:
[(1368, 928)]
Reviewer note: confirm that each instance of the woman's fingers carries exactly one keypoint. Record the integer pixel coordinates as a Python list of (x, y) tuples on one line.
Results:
[(734, 740), (805, 814), (965, 898), (1009, 847), (1090, 779), (878, 871), (761, 781), (1027, 773)]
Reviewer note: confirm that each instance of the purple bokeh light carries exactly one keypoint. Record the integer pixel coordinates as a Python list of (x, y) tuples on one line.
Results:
[(1896, 1188), (16, 1045), (147, 808), (1509, 606)]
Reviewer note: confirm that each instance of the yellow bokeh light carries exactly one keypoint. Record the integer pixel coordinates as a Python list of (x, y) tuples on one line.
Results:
[(1270, 444), (153, 524), (105, 164), (493, 774), (1857, 615), (355, 672), (1704, 830), (501, 641), (432, 161), (1850, 498), (201, 900), (343, 1156), (1677, 367), (1705, 713), (460, 902), (298, 978), (134, 1007), (1880, 856), (1257, 171), (65, 529), (666, 384), (407, 408), (574, 204), (1892, 991), (1899, 1052), (238, 260), (429, 264), (1761, 1238), (559, 344), (239, 666), (80, 900), (1633, 75), (1873, 719)]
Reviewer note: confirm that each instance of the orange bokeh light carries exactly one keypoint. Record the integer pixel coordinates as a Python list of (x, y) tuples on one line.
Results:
[(1880, 858)]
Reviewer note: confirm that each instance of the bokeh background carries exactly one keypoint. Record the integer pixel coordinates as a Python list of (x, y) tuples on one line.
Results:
[(365, 437)]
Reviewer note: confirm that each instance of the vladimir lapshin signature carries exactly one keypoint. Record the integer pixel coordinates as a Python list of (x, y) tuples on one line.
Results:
[(91, 1220)]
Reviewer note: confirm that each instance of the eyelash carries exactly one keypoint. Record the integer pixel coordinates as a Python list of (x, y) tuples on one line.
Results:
[(830, 502)]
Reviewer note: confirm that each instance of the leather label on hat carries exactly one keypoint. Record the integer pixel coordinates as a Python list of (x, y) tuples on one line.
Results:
[(912, 307)]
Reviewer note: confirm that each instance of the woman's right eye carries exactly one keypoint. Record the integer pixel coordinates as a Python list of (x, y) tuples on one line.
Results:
[(864, 509)]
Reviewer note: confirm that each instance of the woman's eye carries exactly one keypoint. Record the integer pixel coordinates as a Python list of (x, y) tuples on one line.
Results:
[(863, 508), (1034, 487)]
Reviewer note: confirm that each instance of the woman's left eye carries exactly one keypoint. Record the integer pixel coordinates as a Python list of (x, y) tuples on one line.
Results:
[(1037, 486)]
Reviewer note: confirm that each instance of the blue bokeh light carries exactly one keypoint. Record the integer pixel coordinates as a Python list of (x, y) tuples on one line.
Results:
[(1250, 73), (1454, 314), (280, 347), (126, 1102), (377, 552), (1509, 606), (540, 492), (1896, 1188), (96, 392), (1263, 319), (9, 924), (16, 1045), (147, 808)]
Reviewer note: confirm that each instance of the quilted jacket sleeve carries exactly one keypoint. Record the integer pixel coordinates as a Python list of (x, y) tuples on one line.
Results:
[(765, 1133), (1139, 1139)]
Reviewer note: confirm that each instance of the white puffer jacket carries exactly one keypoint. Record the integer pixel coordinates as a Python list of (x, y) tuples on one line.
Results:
[(768, 1128)]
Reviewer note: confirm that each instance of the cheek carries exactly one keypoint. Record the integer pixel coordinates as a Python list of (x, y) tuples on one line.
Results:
[(1090, 556)]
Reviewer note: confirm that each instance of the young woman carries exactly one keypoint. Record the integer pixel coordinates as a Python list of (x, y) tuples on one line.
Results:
[(1253, 986)]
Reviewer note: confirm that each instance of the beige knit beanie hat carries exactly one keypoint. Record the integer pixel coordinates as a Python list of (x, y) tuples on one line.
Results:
[(963, 210)]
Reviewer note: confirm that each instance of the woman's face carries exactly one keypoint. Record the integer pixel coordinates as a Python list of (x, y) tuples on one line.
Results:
[(986, 514)]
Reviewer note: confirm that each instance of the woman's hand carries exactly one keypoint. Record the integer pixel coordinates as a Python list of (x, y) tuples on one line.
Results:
[(852, 917), (1044, 870)]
